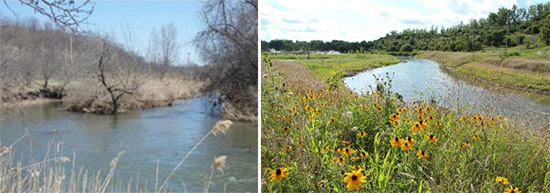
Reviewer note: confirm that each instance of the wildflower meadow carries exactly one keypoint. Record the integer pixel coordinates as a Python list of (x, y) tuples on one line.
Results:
[(321, 138)]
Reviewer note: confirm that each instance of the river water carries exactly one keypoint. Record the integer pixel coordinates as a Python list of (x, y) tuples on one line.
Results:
[(416, 79), (160, 135)]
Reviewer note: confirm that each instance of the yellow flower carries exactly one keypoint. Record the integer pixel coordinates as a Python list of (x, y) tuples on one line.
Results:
[(395, 142), (475, 137), (332, 120), (348, 151), (286, 129), (354, 179), (345, 142), (341, 159), (463, 118), (499, 117), (334, 160), (512, 190), (438, 124), (406, 146), (410, 140), (362, 134), (431, 138), (325, 148), (288, 148), (430, 118), (423, 125), (416, 127), (299, 143), (503, 180), (363, 154), (278, 174), (422, 154)]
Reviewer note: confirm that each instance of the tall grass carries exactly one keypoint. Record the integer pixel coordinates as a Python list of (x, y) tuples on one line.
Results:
[(321, 136)]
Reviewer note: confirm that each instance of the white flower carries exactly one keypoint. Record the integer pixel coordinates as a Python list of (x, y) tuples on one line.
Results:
[(354, 129)]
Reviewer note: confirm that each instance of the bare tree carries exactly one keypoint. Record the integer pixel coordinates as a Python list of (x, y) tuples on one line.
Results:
[(117, 74), (230, 45), (164, 48), (66, 13)]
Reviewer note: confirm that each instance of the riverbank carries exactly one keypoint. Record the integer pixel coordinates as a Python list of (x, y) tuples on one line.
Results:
[(320, 136), (87, 96), (526, 71), (323, 65)]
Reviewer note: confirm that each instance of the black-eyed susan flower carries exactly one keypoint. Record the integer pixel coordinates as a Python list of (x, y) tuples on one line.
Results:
[(422, 154), (341, 160), (499, 117), (362, 134), (299, 143), (416, 127), (288, 148), (423, 125), (475, 137), (431, 138), (332, 121), (405, 146), (363, 154), (334, 160), (348, 151), (463, 118), (325, 149), (354, 179), (395, 142), (379, 109), (430, 118), (345, 142), (512, 190), (286, 129), (410, 140), (438, 124), (502, 180), (278, 174), (408, 121)]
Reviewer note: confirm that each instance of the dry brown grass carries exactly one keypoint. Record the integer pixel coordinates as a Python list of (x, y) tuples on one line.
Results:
[(88, 95)]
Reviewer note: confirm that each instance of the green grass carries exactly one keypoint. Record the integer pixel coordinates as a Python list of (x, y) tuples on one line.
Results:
[(505, 148), (517, 66), (508, 76), (322, 65)]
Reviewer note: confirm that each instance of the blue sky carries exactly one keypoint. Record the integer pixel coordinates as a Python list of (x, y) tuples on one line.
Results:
[(141, 16), (358, 20)]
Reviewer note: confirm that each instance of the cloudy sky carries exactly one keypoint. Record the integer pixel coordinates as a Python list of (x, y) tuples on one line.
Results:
[(357, 20)]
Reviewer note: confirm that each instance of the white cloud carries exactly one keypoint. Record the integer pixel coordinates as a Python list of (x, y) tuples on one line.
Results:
[(359, 20)]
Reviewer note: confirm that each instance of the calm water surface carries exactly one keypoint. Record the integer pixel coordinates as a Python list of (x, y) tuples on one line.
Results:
[(160, 135), (416, 78)]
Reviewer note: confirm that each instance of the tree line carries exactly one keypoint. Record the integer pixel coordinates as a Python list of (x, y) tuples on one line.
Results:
[(504, 28)]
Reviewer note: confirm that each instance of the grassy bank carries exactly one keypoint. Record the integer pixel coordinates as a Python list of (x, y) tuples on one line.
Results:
[(319, 140), (517, 68), (322, 65)]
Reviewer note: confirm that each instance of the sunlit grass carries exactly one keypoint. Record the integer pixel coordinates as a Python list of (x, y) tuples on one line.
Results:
[(322, 65), (323, 138), (539, 81)]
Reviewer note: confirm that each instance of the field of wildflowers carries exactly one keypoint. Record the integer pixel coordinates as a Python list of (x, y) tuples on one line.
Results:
[(324, 139)]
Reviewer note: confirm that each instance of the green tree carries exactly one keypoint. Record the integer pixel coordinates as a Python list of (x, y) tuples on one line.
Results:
[(544, 33)]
